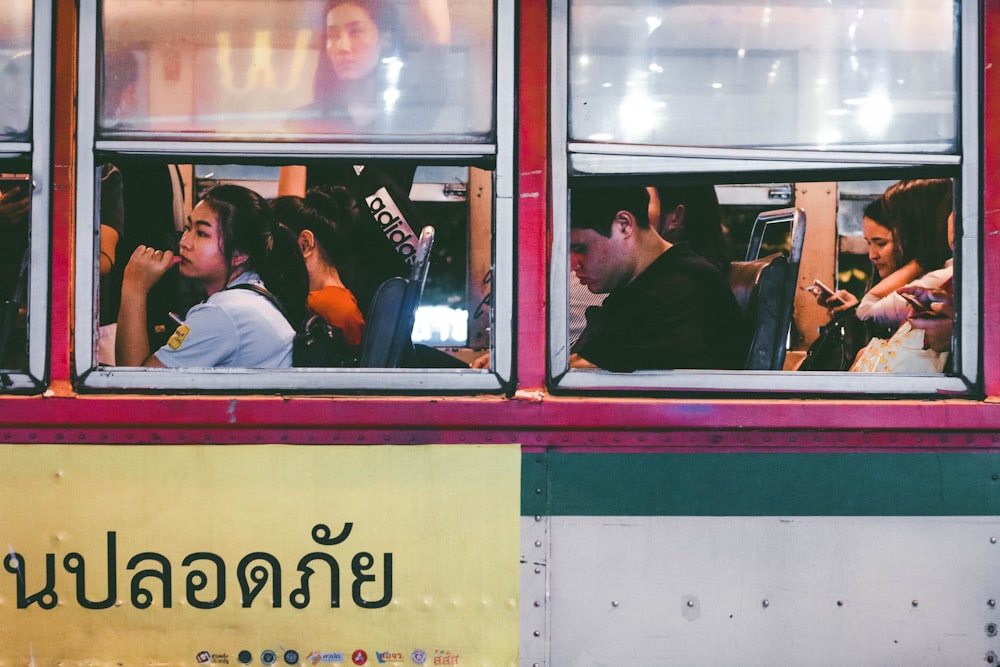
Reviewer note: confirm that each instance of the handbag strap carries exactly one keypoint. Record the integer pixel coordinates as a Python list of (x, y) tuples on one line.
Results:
[(259, 289)]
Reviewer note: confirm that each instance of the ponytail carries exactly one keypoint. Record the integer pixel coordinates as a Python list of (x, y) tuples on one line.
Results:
[(285, 276)]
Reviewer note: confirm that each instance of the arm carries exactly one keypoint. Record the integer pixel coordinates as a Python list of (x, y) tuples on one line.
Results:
[(937, 329), (144, 269), (292, 181), (576, 361), (436, 20), (898, 278), (112, 215), (109, 243), (891, 309)]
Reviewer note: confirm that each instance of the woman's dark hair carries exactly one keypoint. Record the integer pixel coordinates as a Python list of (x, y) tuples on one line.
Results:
[(326, 84), (330, 212), (876, 211), (917, 211), (247, 226), (702, 228)]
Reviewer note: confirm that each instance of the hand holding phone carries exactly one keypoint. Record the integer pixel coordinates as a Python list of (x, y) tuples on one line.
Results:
[(920, 308), (824, 295)]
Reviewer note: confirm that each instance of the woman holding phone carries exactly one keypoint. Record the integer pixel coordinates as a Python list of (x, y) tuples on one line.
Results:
[(907, 234)]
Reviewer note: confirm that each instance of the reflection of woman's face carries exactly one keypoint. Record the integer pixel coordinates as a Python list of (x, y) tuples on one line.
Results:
[(883, 250), (352, 41)]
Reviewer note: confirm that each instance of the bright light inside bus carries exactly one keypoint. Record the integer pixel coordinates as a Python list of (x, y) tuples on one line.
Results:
[(634, 115), (874, 113), (441, 326)]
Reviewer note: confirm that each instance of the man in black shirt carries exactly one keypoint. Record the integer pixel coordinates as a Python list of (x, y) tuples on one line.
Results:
[(667, 307)]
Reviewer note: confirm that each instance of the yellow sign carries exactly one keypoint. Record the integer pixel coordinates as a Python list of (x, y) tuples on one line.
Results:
[(259, 555)]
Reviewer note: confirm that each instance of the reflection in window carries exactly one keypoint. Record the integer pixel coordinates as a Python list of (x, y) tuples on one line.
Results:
[(300, 68), (15, 70), (765, 75), (15, 96)]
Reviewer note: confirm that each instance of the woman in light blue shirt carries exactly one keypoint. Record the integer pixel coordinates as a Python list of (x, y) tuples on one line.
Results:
[(231, 239)]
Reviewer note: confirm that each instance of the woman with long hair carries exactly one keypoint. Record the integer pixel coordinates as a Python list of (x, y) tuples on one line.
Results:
[(323, 222), (231, 242), (907, 234)]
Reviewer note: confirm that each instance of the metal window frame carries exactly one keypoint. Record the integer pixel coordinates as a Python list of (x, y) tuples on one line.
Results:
[(610, 159), (296, 380)]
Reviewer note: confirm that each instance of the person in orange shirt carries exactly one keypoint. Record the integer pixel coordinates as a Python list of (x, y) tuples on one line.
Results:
[(323, 221)]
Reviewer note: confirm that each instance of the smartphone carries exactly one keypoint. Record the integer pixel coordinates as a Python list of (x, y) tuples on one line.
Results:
[(828, 295), (920, 309)]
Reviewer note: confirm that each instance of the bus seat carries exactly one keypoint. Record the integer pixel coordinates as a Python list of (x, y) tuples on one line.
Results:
[(771, 300), (759, 288), (388, 337)]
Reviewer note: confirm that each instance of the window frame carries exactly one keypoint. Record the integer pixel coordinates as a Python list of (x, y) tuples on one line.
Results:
[(303, 380), (38, 152), (577, 159)]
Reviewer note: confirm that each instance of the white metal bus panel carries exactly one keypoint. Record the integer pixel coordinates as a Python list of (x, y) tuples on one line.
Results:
[(649, 591)]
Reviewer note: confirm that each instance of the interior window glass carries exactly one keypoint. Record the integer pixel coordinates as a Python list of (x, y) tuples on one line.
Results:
[(806, 276), (15, 215), (15, 181), (780, 74), (368, 220), (299, 69)]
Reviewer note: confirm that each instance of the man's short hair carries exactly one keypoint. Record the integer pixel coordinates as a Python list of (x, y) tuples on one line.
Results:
[(596, 207)]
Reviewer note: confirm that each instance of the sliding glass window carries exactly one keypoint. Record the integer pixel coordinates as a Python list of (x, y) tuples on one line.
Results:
[(363, 124), (702, 120)]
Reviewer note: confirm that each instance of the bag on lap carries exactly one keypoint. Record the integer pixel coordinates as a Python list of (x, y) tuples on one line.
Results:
[(317, 344), (837, 345)]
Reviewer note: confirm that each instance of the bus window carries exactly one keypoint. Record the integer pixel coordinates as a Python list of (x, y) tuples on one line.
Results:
[(773, 106), (313, 99), (24, 206), (841, 248)]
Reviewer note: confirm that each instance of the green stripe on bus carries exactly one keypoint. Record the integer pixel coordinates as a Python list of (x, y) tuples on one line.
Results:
[(800, 484)]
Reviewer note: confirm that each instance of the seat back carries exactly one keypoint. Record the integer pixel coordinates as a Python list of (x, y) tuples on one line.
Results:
[(765, 288), (388, 338), (759, 288)]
